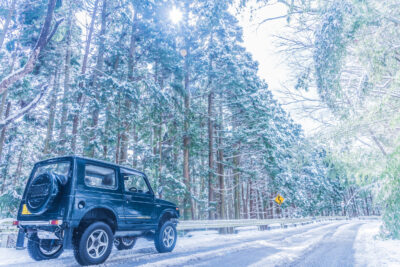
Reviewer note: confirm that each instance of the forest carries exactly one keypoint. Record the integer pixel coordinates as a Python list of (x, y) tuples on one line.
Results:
[(168, 88)]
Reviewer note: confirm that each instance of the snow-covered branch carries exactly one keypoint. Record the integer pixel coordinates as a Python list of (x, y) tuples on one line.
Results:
[(26, 109), (43, 39)]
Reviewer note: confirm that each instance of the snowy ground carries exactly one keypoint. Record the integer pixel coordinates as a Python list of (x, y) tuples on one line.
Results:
[(339, 243), (372, 251)]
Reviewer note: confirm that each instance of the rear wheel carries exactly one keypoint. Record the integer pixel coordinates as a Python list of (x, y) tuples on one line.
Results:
[(44, 249), (123, 243), (165, 237), (95, 244)]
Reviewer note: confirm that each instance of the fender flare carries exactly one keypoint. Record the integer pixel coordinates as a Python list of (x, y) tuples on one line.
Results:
[(171, 211), (109, 209)]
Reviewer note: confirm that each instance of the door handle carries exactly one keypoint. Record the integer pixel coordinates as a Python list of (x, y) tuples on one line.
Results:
[(128, 198)]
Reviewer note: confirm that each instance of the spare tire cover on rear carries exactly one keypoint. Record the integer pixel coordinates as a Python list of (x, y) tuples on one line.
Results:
[(41, 192)]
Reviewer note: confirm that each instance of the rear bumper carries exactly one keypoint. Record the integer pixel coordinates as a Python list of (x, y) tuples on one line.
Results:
[(45, 230), (39, 223)]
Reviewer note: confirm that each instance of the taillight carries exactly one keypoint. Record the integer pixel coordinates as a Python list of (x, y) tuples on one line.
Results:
[(55, 222), (15, 223)]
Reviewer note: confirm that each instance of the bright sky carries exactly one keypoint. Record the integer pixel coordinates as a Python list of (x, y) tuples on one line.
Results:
[(259, 40), (261, 43)]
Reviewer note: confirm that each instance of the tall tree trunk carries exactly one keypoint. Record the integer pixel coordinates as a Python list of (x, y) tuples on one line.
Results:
[(210, 155), (186, 138), (96, 74), (135, 141), (118, 130), (89, 38), (373, 211), (210, 126), (79, 100), (236, 181), (132, 48), (52, 114), (67, 66), (186, 143), (248, 197), (260, 205), (5, 94), (3, 102), (7, 23), (160, 141), (128, 101), (252, 198), (344, 207), (125, 131), (220, 165), (19, 167), (5, 169), (160, 81), (366, 205), (244, 202), (106, 131), (3, 131)]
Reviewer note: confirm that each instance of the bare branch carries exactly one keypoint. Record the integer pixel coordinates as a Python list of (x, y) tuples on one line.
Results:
[(377, 143)]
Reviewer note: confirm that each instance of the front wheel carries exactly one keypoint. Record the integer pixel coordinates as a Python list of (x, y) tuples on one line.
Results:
[(44, 249), (95, 244), (165, 237)]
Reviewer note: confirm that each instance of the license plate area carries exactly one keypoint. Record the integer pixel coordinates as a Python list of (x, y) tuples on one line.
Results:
[(46, 235)]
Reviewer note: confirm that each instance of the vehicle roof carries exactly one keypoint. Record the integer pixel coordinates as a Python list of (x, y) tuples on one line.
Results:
[(69, 157)]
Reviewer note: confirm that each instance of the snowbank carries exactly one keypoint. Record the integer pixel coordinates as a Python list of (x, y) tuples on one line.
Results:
[(370, 250)]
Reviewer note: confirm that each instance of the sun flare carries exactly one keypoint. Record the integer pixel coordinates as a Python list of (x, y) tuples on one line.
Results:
[(175, 15)]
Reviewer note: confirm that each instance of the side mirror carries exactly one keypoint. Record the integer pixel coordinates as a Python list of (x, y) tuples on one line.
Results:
[(160, 190)]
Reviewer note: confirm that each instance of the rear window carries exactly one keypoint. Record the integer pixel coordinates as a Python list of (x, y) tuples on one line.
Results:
[(100, 177), (61, 169)]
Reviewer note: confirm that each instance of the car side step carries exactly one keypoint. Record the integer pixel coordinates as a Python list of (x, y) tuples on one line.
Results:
[(128, 233)]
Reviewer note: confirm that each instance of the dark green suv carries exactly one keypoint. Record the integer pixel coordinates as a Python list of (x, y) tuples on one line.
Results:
[(88, 205)]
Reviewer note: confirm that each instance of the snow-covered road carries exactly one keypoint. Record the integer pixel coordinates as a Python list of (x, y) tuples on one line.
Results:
[(339, 243)]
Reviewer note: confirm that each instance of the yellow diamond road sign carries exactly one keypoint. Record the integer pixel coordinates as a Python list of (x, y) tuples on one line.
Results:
[(279, 199)]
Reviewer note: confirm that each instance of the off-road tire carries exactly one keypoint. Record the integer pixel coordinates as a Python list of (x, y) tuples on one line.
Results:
[(121, 244), (160, 237), (36, 253), (82, 252)]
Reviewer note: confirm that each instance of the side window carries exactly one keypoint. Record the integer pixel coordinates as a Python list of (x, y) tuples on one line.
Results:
[(101, 177), (135, 183)]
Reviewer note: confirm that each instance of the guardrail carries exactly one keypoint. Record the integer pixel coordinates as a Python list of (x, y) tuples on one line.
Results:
[(216, 224), (8, 233)]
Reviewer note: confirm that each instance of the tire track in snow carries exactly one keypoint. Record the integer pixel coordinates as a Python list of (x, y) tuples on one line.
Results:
[(193, 250), (221, 251), (331, 248)]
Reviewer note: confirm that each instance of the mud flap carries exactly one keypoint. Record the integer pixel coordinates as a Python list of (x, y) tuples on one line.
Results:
[(20, 239), (67, 242)]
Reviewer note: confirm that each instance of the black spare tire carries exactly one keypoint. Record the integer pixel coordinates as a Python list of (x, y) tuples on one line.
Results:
[(42, 191)]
